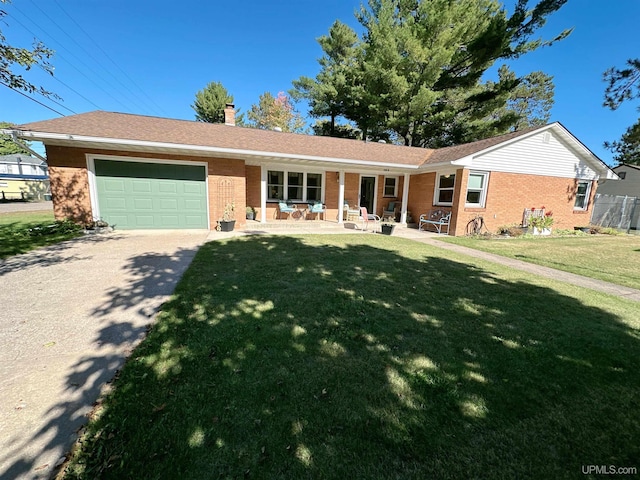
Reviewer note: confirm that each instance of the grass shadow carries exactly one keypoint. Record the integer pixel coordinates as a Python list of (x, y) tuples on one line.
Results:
[(286, 357)]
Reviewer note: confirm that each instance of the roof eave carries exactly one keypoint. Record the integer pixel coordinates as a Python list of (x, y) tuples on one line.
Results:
[(257, 155), (461, 162)]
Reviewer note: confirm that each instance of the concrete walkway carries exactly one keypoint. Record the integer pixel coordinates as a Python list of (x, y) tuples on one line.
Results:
[(570, 278), (71, 314)]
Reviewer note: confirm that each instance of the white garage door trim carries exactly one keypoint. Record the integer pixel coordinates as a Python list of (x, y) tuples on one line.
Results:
[(93, 187)]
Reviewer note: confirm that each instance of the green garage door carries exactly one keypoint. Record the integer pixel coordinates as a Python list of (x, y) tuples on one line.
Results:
[(151, 195)]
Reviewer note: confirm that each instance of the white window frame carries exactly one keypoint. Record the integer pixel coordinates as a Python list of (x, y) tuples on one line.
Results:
[(286, 172), (437, 189), (395, 187), (587, 194), (483, 191)]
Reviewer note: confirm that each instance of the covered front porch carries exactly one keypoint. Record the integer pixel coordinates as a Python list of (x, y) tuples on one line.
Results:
[(279, 193)]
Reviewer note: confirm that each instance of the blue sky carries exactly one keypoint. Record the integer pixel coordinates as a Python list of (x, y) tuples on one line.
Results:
[(151, 58)]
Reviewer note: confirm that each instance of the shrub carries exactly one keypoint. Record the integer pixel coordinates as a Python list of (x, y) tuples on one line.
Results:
[(59, 227), (512, 230)]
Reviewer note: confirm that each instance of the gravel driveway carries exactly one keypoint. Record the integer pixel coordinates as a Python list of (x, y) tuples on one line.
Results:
[(69, 316)]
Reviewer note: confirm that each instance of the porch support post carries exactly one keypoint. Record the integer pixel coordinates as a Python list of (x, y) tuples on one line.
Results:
[(263, 194), (341, 197), (405, 198)]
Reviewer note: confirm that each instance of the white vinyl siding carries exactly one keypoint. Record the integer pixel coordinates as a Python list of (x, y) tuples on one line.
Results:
[(534, 156)]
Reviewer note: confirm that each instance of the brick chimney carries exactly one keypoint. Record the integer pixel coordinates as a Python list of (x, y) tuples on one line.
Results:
[(230, 115)]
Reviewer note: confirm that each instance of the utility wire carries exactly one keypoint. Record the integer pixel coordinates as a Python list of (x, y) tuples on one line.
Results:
[(32, 99), (59, 104), (70, 64), (136, 98), (110, 59), (73, 90)]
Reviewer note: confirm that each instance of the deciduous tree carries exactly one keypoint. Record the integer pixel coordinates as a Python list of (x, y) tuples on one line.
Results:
[(7, 145), (24, 58), (275, 112)]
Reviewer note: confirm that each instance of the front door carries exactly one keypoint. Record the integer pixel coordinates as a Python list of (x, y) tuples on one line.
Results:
[(367, 192)]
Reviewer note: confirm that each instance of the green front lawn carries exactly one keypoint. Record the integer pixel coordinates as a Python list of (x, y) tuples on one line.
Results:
[(614, 259), (24, 231), (366, 356)]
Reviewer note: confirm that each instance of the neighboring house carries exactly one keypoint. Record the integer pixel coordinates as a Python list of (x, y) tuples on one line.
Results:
[(147, 172), (627, 186), (23, 176)]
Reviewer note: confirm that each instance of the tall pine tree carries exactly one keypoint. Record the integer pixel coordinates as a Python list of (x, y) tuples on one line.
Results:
[(417, 74), (622, 85), (210, 103)]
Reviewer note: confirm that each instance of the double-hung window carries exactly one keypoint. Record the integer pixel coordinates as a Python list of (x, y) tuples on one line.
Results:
[(390, 187), (444, 189), (314, 187), (477, 189), (294, 186), (275, 185), (582, 195)]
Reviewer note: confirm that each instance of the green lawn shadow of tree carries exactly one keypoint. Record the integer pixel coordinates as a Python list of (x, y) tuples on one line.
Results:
[(362, 362)]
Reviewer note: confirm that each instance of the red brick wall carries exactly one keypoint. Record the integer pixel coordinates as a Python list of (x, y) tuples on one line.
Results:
[(421, 194), (253, 175), (509, 194), (70, 187), (69, 184), (383, 201), (220, 170)]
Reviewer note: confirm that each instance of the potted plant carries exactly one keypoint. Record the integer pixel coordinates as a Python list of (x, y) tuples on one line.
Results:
[(228, 220), (387, 228), (251, 213), (542, 224)]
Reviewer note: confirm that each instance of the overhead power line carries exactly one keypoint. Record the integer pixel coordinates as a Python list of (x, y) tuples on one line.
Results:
[(33, 99), (110, 59), (90, 55), (92, 81)]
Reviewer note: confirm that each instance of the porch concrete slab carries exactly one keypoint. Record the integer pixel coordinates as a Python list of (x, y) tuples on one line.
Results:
[(71, 314)]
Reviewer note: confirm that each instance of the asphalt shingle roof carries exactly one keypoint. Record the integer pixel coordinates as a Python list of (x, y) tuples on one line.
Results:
[(184, 132)]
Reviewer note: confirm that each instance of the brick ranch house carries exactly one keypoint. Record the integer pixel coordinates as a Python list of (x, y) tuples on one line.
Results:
[(147, 172)]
